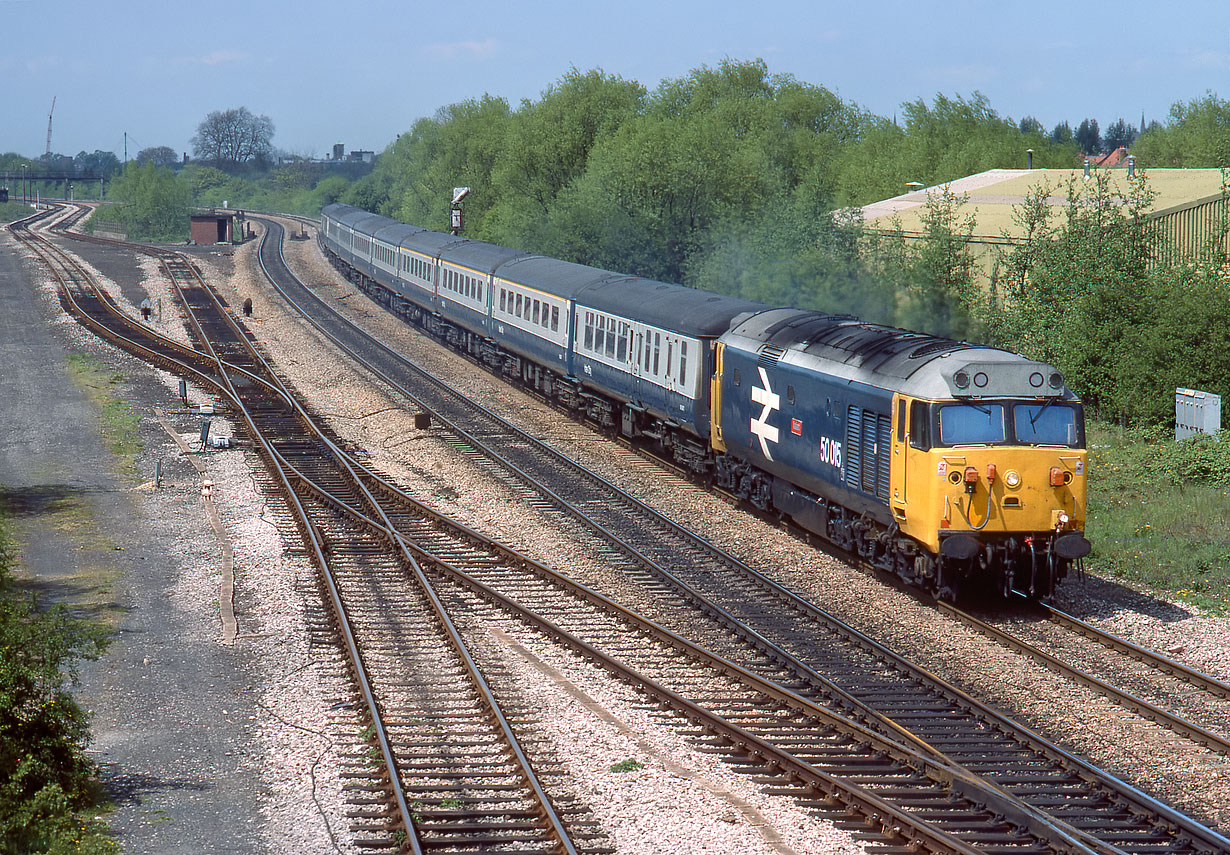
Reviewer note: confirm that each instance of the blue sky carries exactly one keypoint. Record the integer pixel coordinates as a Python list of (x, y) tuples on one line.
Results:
[(362, 71)]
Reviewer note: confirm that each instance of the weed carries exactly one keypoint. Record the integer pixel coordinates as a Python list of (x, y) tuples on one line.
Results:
[(629, 765), (119, 422)]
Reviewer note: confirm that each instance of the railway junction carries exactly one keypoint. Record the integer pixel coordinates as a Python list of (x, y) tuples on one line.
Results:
[(613, 682)]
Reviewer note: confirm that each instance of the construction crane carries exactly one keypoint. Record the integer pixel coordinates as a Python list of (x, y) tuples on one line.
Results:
[(50, 113)]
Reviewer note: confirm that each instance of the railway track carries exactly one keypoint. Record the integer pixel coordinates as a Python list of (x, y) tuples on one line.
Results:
[(449, 760), (855, 675), (1060, 639)]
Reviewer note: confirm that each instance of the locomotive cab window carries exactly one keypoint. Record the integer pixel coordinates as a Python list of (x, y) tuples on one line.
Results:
[(971, 424), (1047, 423), (920, 426)]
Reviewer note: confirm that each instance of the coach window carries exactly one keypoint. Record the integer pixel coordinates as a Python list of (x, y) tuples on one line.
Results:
[(610, 337), (537, 308), (657, 352), (683, 362), (670, 348), (621, 351), (600, 335), (555, 319), (920, 433), (589, 330), (518, 311)]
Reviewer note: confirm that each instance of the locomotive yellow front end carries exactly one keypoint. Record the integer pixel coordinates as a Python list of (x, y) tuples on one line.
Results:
[(991, 477)]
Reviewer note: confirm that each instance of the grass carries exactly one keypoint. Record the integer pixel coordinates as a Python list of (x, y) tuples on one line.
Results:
[(119, 422), (1159, 513)]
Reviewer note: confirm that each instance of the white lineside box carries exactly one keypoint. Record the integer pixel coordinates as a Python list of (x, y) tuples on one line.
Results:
[(1196, 412)]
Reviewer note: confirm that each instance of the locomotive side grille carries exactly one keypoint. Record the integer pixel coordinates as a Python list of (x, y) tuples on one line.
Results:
[(868, 435), (883, 444), (854, 447)]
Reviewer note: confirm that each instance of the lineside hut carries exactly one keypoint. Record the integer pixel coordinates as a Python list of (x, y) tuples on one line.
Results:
[(217, 226)]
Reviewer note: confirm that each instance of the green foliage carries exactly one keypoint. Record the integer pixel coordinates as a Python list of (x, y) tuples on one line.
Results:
[(12, 211), (155, 205), (1158, 512), (630, 764), (1200, 459), (950, 138), (49, 781), (1197, 134), (1081, 293)]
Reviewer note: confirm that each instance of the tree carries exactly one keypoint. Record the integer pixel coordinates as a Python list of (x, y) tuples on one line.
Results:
[(229, 139), (1197, 134), (548, 144), (156, 203), (1088, 137), (102, 164), (159, 156), (1120, 133), (942, 268), (1030, 125), (1061, 134)]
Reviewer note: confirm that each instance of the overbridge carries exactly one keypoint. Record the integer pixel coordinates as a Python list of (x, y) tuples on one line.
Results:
[(27, 184)]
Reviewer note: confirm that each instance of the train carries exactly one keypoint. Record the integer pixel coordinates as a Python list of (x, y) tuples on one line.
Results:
[(957, 467)]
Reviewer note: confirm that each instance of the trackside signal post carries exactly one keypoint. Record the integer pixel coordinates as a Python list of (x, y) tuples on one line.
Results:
[(454, 214)]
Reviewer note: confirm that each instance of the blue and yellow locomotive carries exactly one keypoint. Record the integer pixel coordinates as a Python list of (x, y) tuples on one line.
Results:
[(952, 465)]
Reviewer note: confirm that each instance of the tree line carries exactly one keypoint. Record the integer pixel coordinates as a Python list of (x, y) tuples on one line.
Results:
[(744, 182)]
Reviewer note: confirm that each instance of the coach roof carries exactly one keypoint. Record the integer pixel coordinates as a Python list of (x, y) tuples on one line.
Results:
[(478, 255), (561, 278), (671, 307)]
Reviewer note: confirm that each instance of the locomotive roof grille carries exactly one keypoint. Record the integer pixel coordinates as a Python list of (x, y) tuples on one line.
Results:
[(770, 355)]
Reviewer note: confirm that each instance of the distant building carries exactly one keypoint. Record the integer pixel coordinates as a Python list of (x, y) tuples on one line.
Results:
[(1187, 209), (339, 151), (363, 156)]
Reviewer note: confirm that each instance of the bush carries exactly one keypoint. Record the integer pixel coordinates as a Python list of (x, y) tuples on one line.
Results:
[(49, 780), (1199, 459)]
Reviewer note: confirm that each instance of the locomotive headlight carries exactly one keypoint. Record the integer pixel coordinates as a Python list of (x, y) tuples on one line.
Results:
[(1012, 478)]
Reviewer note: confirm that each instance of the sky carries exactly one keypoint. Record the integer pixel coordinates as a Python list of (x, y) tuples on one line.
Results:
[(360, 72)]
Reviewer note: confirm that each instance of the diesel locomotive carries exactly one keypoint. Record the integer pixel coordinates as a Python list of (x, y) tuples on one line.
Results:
[(955, 466)]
